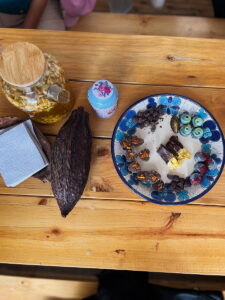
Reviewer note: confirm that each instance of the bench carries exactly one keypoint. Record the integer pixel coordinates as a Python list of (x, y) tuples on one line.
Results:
[(152, 25)]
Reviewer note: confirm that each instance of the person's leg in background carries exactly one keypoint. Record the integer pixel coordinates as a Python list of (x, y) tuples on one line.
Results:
[(52, 17), (219, 8)]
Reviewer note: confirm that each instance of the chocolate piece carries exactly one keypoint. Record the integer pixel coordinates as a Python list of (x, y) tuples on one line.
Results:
[(174, 123), (143, 176), (173, 177), (135, 141), (154, 176), (187, 182), (158, 186), (174, 145), (165, 154), (177, 183), (134, 167), (125, 144), (149, 117), (130, 156), (144, 154)]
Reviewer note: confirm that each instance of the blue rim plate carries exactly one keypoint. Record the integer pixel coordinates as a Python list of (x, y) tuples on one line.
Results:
[(212, 143)]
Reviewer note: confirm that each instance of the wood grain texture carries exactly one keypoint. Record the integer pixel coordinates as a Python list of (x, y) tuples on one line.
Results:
[(172, 7), (104, 182), (211, 99), (149, 60), (22, 64), (152, 25), (134, 235), (25, 288), (113, 234)]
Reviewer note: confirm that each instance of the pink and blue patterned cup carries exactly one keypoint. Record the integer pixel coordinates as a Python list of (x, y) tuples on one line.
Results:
[(103, 96)]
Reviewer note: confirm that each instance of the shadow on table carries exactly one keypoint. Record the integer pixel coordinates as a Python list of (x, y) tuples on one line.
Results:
[(128, 285)]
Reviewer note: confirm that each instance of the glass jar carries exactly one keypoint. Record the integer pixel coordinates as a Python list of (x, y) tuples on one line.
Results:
[(43, 91)]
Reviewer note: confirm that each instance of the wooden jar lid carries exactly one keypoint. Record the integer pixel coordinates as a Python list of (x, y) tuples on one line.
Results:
[(21, 64)]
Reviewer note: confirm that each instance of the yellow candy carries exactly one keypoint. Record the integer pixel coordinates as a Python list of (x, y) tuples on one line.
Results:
[(175, 163)]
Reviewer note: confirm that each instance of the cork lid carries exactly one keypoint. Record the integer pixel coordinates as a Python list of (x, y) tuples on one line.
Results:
[(21, 64)]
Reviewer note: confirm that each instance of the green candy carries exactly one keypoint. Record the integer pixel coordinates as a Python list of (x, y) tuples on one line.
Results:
[(197, 133), (186, 130), (185, 118), (197, 121)]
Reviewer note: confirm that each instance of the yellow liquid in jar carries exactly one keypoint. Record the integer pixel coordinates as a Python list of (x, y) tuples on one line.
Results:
[(57, 113), (43, 110)]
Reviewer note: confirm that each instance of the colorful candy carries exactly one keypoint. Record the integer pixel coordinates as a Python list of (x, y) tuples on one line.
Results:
[(185, 118), (185, 130), (201, 156), (211, 164), (207, 132), (197, 133), (195, 178), (201, 168), (197, 121)]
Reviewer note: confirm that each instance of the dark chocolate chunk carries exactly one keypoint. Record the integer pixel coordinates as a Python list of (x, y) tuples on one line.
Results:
[(187, 182), (130, 156), (173, 177), (165, 154), (134, 167), (158, 186), (125, 144), (177, 183), (144, 154), (135, 141), (154, 176), (143, 176)]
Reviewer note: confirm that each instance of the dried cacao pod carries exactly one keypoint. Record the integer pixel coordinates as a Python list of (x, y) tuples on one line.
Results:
[(70, 161)]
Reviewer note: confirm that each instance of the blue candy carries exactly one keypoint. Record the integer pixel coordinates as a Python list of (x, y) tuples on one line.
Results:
[(186, 130), (197, 133), (197, 121), (212, 164), (185, 118), (201, 156)]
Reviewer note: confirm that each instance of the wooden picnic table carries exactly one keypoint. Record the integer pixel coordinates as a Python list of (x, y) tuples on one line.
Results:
[(111, 227)]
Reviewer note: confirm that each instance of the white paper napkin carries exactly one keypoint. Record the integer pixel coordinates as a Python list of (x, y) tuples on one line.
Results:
[(21, 154)]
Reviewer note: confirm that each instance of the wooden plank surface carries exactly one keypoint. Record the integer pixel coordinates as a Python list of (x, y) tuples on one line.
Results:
[(134, 235), (104, 182), (25, 288), (152, 25), (211, 99), (150, 59), (113, 234), (172, 7)]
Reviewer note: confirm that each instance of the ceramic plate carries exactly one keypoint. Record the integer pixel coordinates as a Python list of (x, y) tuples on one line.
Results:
[(212, 143)]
